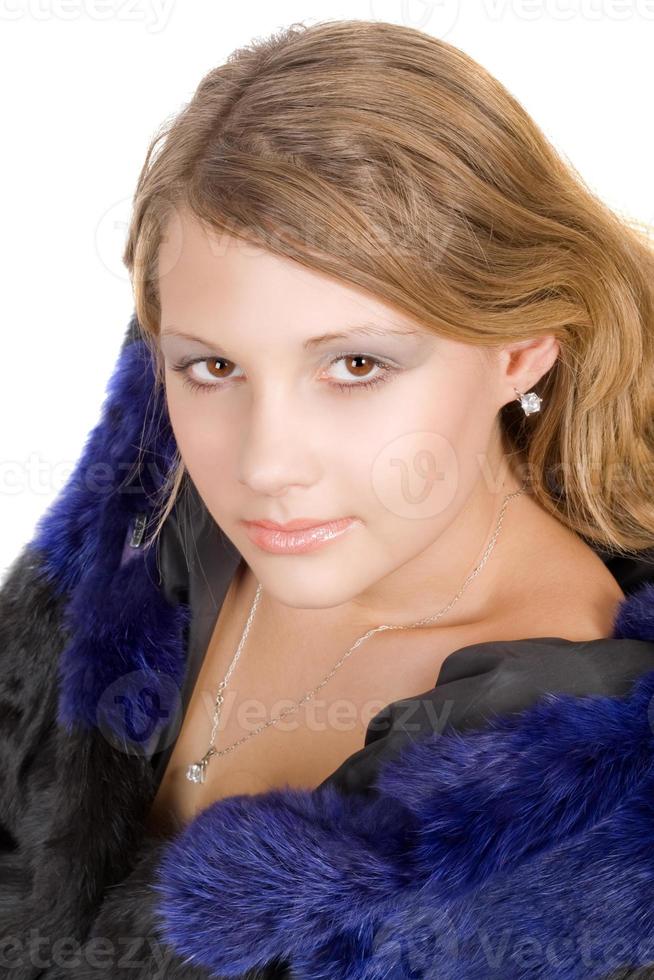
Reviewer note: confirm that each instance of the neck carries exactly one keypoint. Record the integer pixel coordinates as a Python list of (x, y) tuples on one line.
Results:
[(429, 582)]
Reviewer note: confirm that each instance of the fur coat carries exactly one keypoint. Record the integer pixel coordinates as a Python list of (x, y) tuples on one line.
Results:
[(500, 825)]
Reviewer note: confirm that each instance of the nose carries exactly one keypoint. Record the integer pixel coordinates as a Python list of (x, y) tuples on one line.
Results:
[(276, 451)]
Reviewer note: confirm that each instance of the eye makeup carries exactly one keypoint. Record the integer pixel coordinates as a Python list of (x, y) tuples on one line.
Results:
[(385, 371)]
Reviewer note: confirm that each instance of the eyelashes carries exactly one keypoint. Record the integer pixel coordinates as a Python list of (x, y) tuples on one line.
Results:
[(385, 373)]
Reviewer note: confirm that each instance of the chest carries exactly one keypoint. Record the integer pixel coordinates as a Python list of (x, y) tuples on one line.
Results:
[(297, 705), (268, 739)]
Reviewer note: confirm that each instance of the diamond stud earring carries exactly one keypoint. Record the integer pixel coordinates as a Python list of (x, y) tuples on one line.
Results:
[(530, 402)]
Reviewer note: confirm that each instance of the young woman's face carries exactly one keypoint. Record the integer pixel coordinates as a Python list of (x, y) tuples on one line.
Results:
[(276, 419)]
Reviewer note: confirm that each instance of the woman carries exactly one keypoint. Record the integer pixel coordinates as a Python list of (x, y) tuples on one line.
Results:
[(449, 768)]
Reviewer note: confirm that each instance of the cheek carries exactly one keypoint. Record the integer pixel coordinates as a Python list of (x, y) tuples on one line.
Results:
[(427, 456), (203, 442)]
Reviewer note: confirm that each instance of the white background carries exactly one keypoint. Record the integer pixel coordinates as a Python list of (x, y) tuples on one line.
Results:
[(86, 83)]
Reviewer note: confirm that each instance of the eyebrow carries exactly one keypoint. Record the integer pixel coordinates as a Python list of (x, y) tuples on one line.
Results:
[(360, 329)]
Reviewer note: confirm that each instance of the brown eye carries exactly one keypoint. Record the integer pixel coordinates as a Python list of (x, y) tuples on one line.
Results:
[(213, 366), (361, 370), (205, 373), (357, 366)]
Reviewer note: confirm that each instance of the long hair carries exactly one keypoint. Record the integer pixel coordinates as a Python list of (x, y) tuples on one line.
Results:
[(391, 160)]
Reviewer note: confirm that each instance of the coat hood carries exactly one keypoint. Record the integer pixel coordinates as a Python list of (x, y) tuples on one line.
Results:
[(475, 851)]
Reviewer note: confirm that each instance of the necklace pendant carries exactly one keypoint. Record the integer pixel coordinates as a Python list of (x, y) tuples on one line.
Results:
[(197, 771)]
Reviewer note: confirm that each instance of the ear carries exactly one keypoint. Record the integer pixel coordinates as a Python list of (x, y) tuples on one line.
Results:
[(521, 365)]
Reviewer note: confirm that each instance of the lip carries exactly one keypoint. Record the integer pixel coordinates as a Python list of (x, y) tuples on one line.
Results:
[(299, 524), (290, 539)]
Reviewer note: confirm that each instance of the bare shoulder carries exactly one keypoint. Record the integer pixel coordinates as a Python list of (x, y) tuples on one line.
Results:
[(560, 586)]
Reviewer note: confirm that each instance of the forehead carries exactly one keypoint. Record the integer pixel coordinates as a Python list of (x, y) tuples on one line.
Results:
[(224, 291), (207, 276)]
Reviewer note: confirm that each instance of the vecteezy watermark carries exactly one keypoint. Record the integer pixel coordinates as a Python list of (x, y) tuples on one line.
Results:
[(566, 10), (416, 475), (140, 712), (585, 947), (37, 475), (423, 937), (34, 475), (154, 14), (115, 953), (420, 937), (418, 940), (340, 714), (110, 237)]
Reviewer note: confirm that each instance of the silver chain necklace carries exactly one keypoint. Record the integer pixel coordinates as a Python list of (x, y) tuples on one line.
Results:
[(196, 772)]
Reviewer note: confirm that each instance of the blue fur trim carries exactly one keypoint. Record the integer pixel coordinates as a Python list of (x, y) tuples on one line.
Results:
[(127, 641), (533, 831)]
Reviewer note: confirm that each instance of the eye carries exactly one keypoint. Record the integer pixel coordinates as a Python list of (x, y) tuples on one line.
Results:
[(209, 373), (202, 373), (385, 371)]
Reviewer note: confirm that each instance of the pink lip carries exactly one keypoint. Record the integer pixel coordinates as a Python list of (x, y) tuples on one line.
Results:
[(293, 539), (300, 524)]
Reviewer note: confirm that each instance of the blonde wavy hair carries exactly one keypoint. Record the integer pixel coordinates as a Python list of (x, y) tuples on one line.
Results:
[(390, 159)]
